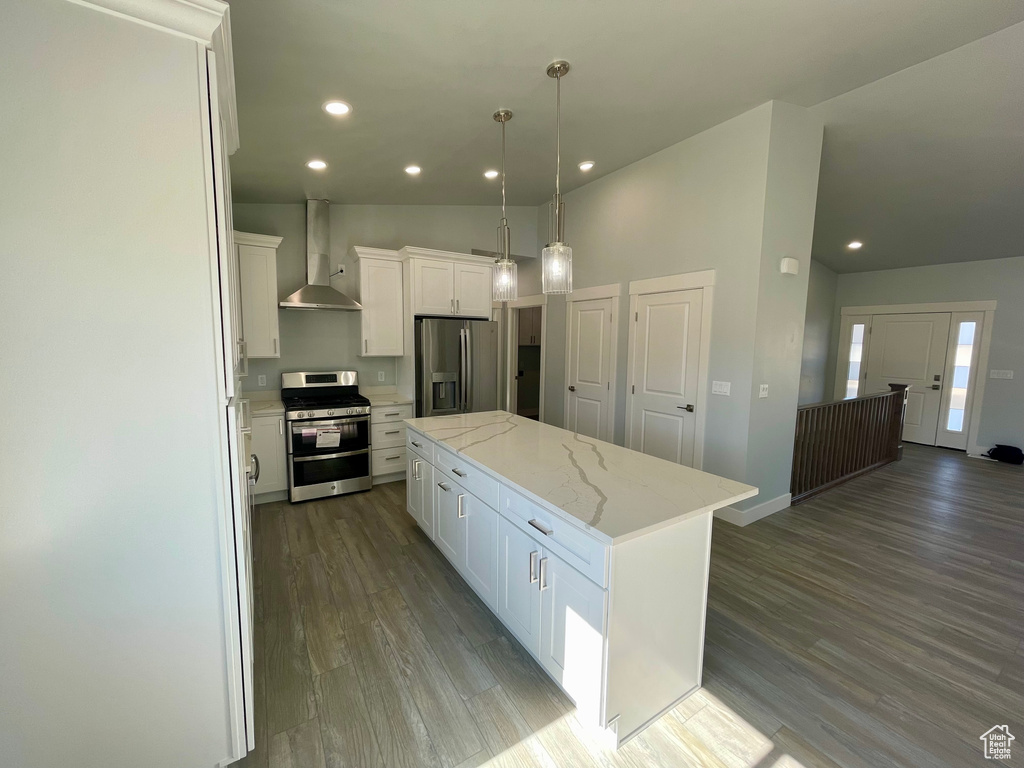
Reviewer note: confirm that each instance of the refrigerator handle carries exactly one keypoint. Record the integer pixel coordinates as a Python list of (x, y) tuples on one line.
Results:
[(469, 372), (461, 407)]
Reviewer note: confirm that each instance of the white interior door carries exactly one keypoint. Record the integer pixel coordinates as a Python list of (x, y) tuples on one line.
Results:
[(666, 363), (588, 409), (911, 349)]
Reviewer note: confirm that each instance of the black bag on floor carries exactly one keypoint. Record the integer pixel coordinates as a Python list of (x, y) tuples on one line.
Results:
[(1008, 453)]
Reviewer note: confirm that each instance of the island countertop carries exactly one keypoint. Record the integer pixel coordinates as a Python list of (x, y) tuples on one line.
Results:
[(616, 493)]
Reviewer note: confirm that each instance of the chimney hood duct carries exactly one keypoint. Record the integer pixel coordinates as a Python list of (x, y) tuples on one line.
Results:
[(317, 293)]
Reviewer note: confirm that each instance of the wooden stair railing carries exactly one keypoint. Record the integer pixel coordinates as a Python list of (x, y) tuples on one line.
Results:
[(838, 441)]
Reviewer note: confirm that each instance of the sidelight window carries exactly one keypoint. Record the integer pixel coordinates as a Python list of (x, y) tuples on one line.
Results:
[(961, 375), (856, 352)]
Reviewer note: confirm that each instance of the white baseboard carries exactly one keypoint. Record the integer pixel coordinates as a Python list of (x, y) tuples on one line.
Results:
[(266, 498), (743, 517)]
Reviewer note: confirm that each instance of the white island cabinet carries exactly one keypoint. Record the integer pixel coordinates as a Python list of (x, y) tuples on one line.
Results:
[(595, 557)]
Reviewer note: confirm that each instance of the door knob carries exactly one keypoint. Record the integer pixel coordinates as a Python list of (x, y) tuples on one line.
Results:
[(572, 388), (688, 407), (936, 386)]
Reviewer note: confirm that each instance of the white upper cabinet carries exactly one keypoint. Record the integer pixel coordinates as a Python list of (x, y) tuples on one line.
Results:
[(473, 290), (433, 287), (257, 271), (381, 294), (448, 284)]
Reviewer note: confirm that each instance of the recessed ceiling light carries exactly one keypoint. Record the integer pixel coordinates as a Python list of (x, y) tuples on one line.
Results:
[(413, 170), (855, 245), (586, 165), (316, 165), (491, 174), (336, 108)]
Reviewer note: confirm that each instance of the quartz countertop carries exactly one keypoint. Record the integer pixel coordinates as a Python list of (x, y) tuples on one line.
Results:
[(266, 407), (392, 398), (615, 493)]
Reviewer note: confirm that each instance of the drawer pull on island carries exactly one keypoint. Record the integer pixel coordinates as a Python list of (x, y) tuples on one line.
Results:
[(416, 470), (533, 567), (459, 511), (542, 528), (543, 574), (459, 472), (444, 487), (417, 445)]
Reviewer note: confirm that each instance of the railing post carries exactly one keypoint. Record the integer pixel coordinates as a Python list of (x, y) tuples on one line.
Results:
[(903, 415)]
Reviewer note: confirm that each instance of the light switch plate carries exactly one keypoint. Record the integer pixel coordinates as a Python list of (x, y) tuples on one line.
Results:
[(763, 391), (721, 387), (261, 380), (1000, 374)]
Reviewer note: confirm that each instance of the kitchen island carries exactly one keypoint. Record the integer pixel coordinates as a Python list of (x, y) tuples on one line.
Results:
[(594, 556)]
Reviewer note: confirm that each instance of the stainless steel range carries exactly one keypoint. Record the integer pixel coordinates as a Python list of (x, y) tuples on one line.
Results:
[(328, 429)]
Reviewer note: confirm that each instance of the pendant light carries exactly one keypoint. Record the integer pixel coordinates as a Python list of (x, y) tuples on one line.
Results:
[(506, 278), (556, 258)]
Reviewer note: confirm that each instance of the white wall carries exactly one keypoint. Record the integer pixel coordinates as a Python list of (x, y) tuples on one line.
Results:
[(112, 649), (821, 302), (1002, 418), (714, 201), (319, 340)]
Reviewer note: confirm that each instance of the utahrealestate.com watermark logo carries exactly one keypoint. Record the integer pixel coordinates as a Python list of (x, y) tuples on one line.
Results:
[(997, 742)]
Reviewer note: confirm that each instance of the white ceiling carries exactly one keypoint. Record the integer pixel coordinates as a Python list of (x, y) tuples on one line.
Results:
[(927, 166)]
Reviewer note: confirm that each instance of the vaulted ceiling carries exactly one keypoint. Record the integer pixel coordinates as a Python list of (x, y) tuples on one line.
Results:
[(424, 79)]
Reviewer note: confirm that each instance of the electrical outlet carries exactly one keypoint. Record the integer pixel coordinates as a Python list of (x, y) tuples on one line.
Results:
[(763, 391), (721, 387), (261, 380), (380, 375)]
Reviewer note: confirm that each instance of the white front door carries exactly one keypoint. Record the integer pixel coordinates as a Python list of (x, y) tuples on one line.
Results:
[(910, 349), (590, 343), (666, 360)]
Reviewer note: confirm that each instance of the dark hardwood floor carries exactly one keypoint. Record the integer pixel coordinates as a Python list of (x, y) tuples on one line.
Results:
[(878, 625)]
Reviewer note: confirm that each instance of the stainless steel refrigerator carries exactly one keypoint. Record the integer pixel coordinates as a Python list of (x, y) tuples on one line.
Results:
[(456, 366)]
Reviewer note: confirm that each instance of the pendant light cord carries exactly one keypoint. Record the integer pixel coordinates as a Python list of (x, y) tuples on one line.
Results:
[(558, 135), (503, 169)]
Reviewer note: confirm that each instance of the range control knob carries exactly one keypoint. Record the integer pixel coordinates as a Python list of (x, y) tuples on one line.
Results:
[(330, 413), (349, 411)]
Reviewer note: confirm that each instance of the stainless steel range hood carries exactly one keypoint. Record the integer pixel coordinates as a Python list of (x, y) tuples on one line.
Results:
[(317, 293)]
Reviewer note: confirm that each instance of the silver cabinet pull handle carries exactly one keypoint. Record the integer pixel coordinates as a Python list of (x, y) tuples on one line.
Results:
[(396, 413), (415, 443), (280, 426), (255, 460), (460, 513), (391, 458), (393, 432), (543, 574), (542, 528), (444, 487), (533, 567), (459, 472), (416, 469), (366, 345), (457, 306)]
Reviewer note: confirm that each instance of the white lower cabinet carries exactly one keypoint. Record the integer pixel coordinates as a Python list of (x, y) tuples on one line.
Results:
[(480, 553), (450, 535), (420, 492), (572, 631), (518, 584), (269, 448)]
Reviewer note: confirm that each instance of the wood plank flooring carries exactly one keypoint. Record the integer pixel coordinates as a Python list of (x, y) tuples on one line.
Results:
[(880, 624)]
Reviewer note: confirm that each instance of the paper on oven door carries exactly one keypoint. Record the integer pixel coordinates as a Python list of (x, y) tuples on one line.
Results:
[(328, 438)]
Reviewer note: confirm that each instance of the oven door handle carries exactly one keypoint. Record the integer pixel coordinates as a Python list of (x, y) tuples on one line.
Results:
[(300, 425), (323, 456)]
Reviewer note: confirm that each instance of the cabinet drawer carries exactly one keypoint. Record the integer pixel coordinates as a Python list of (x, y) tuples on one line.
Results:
[(420, 445), (384, 461), (587, 555), (482, 485), (382, 413), (387, 435)]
